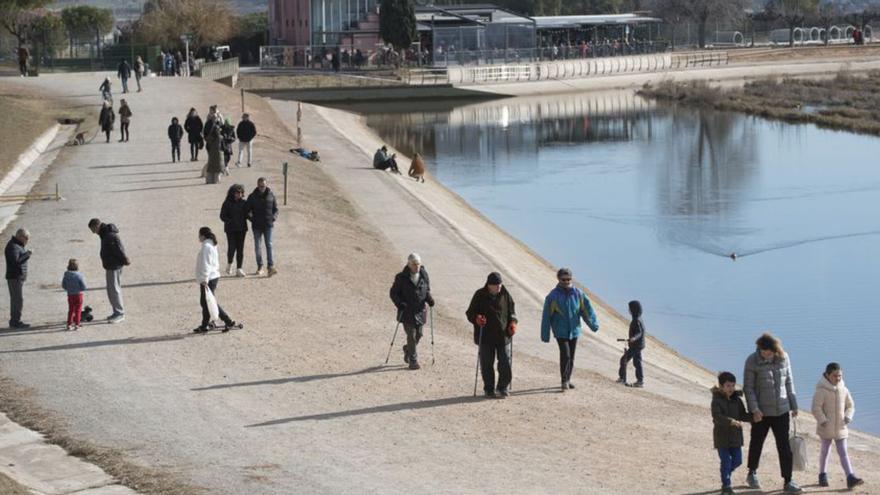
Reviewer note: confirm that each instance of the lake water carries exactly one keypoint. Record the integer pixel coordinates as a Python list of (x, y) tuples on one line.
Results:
[(646, 201)]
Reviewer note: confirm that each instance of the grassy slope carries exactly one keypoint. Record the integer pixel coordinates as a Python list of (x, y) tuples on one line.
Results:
[(9, 487), (24, 119)]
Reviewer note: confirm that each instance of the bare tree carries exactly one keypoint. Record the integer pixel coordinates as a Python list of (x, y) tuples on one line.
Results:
[(207, 21), (793, 12), (673, 12), (19, 16), (701, 11)]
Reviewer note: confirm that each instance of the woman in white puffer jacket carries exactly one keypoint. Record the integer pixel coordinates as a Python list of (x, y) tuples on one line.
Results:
[(833, 408), (207, 275)]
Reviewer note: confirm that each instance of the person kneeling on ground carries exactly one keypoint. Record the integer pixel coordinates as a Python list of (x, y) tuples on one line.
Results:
[(493, 315), (636, 342), (417, 168), (728, 415), (382, 161), (564, 307), (207, 275), (410, 292)]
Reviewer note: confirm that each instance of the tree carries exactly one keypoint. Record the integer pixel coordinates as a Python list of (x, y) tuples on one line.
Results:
[(793, 12), (673, 12), (81, 20), (700, 11), (826, 16), (47, 30), (76, 23), (18, 17), (208, 22), (397, 23)]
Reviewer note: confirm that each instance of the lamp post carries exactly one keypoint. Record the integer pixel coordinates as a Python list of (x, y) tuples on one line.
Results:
[(186, 39)]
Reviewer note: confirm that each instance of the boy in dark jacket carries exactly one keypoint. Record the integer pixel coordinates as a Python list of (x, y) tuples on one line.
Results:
[(493, 315), (728, 415), (246, 132), (175, 134), (636, 343)]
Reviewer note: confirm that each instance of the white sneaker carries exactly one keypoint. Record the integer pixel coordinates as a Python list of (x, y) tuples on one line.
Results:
[(240, 273), (260, 271), (229, 269)]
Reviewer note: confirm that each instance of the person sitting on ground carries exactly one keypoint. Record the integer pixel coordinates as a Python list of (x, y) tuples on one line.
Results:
[(493, 314), (636, 343), (417, 168), (382, 161), (728, 415), (410, 292), (175, 134), (834, 408)]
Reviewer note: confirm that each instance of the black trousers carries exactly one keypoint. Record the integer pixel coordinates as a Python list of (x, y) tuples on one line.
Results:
[(194, 151), (779, 425), (235, 247), (389, 163), (175, 151), (413, 336), (123, 131), (206, 316), (567, 348), (107, 132), (636, 356), (488, 353)]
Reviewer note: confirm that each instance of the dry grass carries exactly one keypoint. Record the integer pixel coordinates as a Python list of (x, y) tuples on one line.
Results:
[(17, 403), (847, 102), (10, 487)]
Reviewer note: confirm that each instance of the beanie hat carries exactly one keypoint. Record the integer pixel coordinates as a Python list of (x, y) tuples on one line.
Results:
[(494, 278)]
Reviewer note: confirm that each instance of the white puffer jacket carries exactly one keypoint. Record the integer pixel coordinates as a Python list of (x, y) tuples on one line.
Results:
[(207, 263), (833, 408)]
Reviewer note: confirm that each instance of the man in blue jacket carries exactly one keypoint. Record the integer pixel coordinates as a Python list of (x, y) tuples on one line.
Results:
[(563, 309)]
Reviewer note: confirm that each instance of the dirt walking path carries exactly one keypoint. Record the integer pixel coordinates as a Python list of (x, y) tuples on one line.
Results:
[(298, 401)]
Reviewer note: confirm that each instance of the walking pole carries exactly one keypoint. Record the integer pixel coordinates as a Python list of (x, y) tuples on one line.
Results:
[(392, 342), (510, 385), (432, 336), (477, 371)]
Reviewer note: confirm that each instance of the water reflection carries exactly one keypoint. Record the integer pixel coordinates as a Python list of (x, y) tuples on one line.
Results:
[(647, 201)]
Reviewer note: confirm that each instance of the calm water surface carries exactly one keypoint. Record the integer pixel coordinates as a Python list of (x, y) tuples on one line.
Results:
[(647, 202)]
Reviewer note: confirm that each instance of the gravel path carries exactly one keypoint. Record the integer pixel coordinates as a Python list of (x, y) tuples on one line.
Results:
[(297, 402)]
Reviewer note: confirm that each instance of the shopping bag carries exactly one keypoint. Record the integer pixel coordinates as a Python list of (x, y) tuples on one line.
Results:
[(211, 301), (798, 450)]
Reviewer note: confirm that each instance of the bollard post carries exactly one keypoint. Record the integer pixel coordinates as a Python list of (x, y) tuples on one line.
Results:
[(57, 192), (284, 171), (242, 101)]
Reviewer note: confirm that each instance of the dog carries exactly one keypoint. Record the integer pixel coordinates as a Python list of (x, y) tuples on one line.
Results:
[(87, 314), (78, 140)]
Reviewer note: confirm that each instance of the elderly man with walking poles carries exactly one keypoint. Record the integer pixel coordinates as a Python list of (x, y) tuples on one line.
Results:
[(411, 294), (493, 314)]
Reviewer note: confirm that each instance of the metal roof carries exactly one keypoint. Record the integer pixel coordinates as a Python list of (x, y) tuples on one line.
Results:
[(567, 21)]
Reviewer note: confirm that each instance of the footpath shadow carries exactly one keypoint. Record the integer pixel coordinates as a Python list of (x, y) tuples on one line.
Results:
[(96, 167), (34, 330), (160, 172), (160, 284), (402, 406), (301, 379), (164, 179), (743, 489), (114, 342), (157, 188)]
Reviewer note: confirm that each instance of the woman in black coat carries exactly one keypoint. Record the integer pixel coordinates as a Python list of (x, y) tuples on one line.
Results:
[(106, 119), (234, 216), (193, 127)]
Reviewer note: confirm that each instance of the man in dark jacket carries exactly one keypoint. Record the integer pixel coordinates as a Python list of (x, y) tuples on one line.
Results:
[(262, 210), (113, 258), (246, 132), (16, 273), (636, 343), (410, 292), (493, 315), (123, 71)]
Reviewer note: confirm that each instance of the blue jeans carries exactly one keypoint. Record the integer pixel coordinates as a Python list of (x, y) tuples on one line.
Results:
[(124, 84), (259, 235), (731, 458)]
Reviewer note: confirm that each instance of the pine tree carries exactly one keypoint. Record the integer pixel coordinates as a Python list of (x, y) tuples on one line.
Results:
[(397, 23)]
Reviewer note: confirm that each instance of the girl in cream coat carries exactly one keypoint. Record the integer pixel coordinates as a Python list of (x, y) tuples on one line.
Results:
[(833, 408)]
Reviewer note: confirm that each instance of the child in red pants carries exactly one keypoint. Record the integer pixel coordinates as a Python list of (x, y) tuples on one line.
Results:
[(74, 283)]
